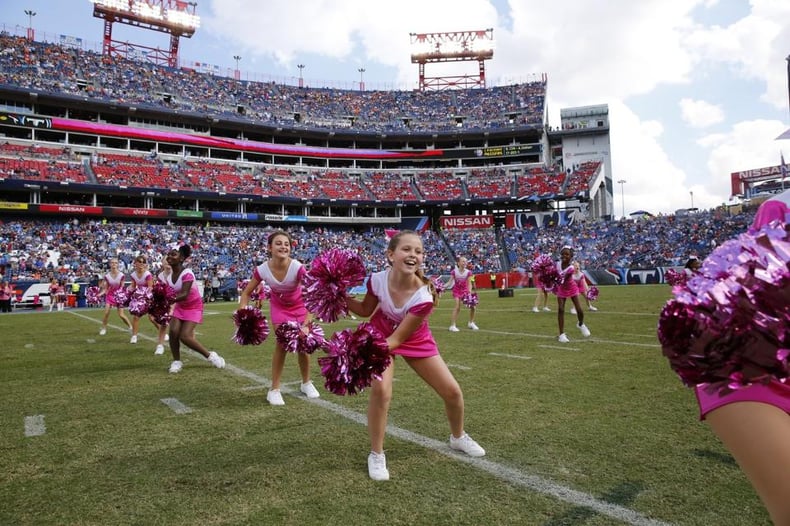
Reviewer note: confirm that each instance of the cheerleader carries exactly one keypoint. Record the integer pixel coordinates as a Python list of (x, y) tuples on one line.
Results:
[(568, 288), (110, 284), (283, 275), (581, 282), (461, 282), (161, 330), (141, 277), (187, 311), (753, 423), (53, 294), (542, 299), (399, 301)]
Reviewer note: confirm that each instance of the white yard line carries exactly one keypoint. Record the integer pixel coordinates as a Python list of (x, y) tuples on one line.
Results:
[(510, 356)]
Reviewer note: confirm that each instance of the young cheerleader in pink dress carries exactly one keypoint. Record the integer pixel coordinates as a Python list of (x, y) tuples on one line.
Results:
[(111, 283), (581, 282), (461, 283), (283, 275), (568, 288), (400, 300), (141, 277), (161, 330), (187, 311), (754, 422)]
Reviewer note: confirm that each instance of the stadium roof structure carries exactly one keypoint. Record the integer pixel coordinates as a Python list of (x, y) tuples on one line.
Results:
[(784, 136)]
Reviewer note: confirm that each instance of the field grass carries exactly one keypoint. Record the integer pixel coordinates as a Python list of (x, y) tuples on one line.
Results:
[(595, 432)]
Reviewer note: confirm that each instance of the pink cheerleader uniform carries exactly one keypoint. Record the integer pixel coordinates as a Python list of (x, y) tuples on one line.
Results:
[(141, 281), (387, 317), (460, 282), (113, 285), (568, 288), (286, 295), (191, 307), (774, 393), (581, 281), (162, 277)]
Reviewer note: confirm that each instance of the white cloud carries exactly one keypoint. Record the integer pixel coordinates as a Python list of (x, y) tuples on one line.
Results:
[(653, 182), (593, 53), (342, 29), (755, 47), (700, 113)]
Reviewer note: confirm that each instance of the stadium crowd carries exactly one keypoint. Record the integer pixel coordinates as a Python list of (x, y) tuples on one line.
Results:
[(73, 250), (50, 68), (43, 163)]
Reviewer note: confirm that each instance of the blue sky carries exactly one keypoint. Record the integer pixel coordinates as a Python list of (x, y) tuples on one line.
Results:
[(696, 89)]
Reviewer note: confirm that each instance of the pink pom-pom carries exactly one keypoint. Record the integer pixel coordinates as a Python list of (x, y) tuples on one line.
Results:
[(592, 293), (121, 297), (306, 339), (728, 325), (93, 295), (439, 285), (162, 298), (675, 278), (470, 299), (355, 359), (545, 270), (140, 301), (251, 326), (331, 274)]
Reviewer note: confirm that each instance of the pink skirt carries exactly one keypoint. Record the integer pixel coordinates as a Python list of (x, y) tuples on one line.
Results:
[(775, 393)]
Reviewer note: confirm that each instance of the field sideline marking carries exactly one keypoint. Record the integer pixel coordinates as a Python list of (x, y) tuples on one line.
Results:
[(34, 426), (510, 475), (176, 405)]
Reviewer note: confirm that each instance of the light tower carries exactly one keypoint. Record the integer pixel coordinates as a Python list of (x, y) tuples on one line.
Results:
[(455, 46), (361, 79), (301, 79), (174, 17), (30, 33), (237, 73), (621, 182)]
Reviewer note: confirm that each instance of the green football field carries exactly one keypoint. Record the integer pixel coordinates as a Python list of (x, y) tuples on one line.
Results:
[(594, 432)]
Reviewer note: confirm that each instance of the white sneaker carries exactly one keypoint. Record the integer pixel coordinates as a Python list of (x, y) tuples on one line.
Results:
[(535, 309), (467, 445), (563, 338), (216, 360), (573, 310), (160, 349), (377, 466), (592, 308), (547, 309), (176, 367), (473, 326), (167, 337), (585, 331), (133, 339), (309, 390), (102, 331), (275, 397), (453, 328)]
